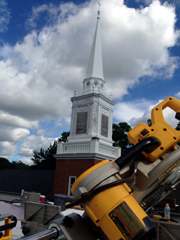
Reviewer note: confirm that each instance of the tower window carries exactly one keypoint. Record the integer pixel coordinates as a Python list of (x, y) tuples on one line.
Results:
[(104, 125), (81, 124), (71, 180)]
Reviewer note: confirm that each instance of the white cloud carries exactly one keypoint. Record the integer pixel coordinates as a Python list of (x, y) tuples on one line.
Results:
[(13, 129), (178, 95), (133, 111), (39, 74), (4, 15), (13, 134), (7, 148), (34, 142), (12, 120), (50, 11), (169, 116)]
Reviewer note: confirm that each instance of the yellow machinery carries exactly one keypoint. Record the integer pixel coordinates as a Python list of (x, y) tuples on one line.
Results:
[(6, 229), (116, 194), (114, 210), (167, 136)]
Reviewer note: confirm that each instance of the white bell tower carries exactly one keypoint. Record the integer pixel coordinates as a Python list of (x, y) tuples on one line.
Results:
[(91, 119)]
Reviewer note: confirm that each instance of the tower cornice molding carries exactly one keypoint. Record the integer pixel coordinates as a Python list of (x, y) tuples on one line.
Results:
[(93, 78), (97, 95)]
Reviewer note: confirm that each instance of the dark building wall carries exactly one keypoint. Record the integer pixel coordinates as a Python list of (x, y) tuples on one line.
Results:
[(29, 180), (176, 194), (66, 168)]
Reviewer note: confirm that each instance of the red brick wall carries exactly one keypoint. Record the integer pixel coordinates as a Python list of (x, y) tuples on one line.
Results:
[(66, 168)]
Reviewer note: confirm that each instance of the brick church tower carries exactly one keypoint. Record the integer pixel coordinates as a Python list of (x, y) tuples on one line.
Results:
[(90, 137)]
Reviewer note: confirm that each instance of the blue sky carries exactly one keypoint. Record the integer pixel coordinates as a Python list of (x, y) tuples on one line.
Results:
[(44, 52)]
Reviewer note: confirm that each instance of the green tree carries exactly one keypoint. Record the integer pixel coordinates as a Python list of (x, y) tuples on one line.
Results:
[(5, 163), (19, 165), (119, 134), (44, 158), (64, 137)]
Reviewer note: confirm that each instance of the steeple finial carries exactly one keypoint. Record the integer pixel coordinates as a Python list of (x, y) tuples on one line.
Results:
[(95, 66), (99, 9)]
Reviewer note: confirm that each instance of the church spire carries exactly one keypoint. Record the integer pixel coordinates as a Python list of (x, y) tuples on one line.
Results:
[(95, 66)]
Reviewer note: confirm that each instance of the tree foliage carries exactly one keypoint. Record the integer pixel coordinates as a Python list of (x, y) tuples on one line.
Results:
[(6, 164), (119, 134), (44, 158), (19, 165), (64, 137)]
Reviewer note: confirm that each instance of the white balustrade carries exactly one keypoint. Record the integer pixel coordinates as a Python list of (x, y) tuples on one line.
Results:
[(73, 148), (89, 147)]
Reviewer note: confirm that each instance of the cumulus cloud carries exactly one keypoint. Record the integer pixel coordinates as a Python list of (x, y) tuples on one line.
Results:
[(178, 94), (16, 121), (49, 14), (169, 116), (34, 142), (39, 74), (13, 134), (7, 148), (12, 129), (4, 16), (133, 111)]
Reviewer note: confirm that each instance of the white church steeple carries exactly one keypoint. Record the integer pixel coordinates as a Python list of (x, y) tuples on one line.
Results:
[(95, 77), (91, 118)]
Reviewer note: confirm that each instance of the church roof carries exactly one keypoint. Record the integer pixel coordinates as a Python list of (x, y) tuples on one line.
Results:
[(95, 66)]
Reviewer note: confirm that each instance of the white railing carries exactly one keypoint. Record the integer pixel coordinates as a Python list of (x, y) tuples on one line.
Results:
[(73, 148), (108, 150), (89, 147)]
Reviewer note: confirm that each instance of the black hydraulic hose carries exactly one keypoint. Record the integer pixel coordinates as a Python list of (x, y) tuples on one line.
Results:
[(85, 197), (147, 145), (10, 225)]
